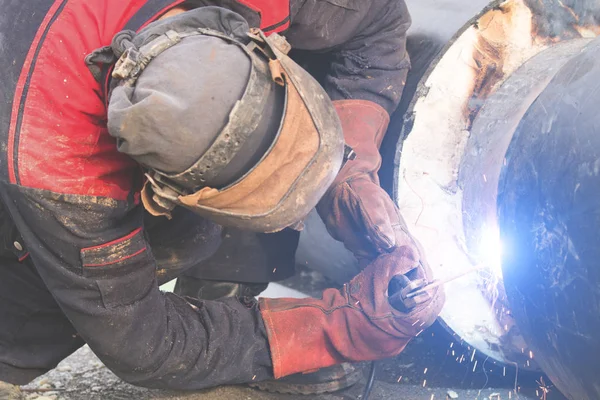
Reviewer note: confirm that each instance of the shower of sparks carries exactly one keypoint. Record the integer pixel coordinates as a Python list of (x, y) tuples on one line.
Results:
[(475, 366)]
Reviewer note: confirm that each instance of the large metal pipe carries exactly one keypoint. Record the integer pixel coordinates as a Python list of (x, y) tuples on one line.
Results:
[(480, 91), (550, 223)]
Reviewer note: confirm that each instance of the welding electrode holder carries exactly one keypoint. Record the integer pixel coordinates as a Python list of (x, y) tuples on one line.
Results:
[(399, 289)]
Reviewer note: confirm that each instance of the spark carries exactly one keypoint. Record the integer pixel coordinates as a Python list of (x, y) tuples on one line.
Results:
[(531, 354), (399, 379), (545, 389), (475, 366), (274, 269), (462, 358), (452, 345), (416, 322), (424, 382), (421, 331), (516, 377), (425, 372), (504, 372), (510, 395), (432, 396), (473, 355), (484, 178), (528, 363), (254, 377), (452, 353)]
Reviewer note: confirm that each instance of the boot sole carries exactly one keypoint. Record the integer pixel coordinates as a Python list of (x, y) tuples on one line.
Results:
[(308, 389)]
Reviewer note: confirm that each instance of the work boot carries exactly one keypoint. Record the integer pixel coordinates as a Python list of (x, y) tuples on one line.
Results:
[(325, 380), (10, 392)]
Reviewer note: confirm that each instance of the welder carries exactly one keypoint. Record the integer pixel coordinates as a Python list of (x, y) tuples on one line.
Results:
[(144, 140)]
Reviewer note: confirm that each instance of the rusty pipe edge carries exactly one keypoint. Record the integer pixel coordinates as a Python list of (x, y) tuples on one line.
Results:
[(444, 163)]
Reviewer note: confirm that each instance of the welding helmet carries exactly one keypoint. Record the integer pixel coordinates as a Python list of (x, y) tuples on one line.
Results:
[(223, 121)]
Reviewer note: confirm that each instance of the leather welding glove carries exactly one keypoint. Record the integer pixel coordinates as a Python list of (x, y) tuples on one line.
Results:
[(355, 209), (351, 324)]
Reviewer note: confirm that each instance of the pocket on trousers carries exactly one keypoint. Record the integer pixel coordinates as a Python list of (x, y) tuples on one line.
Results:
[(124, 269)]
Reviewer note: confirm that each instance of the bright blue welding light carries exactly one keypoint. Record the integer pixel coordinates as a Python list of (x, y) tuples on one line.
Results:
[(490, 249)]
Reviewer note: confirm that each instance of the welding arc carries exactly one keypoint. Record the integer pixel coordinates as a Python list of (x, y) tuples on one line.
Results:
[(439, 282)]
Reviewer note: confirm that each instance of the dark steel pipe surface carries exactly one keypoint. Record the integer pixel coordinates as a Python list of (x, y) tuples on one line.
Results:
[(549, 214)]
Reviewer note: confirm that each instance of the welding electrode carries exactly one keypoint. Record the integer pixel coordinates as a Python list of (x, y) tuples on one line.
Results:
[(439, 282), (405, 294)]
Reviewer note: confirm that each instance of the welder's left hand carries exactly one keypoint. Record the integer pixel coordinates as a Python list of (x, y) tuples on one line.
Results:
[(355, 209)]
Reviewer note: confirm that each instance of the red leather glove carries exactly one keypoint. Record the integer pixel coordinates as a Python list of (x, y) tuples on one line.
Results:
[(355, 323), (355, 209)]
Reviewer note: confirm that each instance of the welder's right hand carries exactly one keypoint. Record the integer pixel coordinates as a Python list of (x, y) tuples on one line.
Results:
[(355, 323)]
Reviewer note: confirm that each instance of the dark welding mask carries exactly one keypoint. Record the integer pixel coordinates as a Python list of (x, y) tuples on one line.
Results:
[(290, 175)]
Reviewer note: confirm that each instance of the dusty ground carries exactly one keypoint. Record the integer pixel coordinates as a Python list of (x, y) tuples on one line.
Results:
[(426, 370)]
